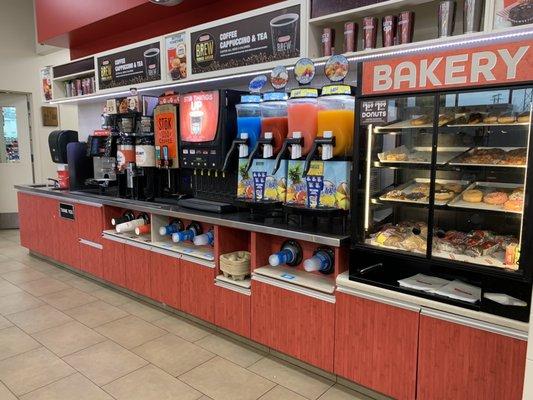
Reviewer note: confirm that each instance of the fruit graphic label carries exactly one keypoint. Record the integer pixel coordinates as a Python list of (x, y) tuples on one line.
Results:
[(259, 184)]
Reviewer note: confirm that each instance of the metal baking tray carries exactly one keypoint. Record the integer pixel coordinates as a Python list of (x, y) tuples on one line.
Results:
[(496, 259), (485, 187), (404, 125), (408, 187), (489, 125), (444, 154), (457, 160)]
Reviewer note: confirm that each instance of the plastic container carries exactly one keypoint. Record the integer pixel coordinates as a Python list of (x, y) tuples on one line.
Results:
[(274, 118), (188, 234), (322, 261), (207, 238), (249, 118), (290, 254), (336, 113), (303, 117)]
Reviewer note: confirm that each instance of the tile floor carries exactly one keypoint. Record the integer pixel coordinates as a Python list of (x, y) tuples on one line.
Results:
[(65, 337)]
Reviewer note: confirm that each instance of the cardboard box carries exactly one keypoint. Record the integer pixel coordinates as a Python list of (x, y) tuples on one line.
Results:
[(259, 183)]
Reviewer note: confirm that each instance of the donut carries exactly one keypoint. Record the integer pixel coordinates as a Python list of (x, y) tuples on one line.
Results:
[(473, 196), (496, 198), (524, 117), (490, 119), (518, 194), (424, 119), (444, 119), (475, 118), (454, 187), (397, 157), (513, 205), (506, 118), (444, 195)]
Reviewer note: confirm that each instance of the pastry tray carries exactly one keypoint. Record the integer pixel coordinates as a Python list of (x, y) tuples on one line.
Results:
[(444, 154), (485, 187), (372, 242), (488, 124), (408, 187), (457, 159), (494, 260), (403, 125)]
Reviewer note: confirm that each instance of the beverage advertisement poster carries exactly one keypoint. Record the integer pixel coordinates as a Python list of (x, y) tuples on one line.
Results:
[(46, 83), (176, 49), (259, 39), (130, 67), (199, 116), (509, 13)]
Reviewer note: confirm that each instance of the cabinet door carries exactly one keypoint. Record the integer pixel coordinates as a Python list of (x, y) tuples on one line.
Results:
[(137, 264), (376, 345), (197, 290), (232, 311), (46, 214), (91, 258), (90, 221), (165, 279), (27, 226), (296, 324), (113, 262), (68, 249), (460, 362)]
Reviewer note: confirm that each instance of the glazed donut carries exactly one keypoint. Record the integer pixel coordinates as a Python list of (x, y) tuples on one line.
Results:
[(473, 196), (443, 194), (496, 198), (454, 187), (513, 205)]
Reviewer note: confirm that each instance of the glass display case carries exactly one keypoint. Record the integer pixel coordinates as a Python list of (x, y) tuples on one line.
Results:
[(443, 190)]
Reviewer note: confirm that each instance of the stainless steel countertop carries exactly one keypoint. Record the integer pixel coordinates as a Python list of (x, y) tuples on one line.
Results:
[(239, 220)]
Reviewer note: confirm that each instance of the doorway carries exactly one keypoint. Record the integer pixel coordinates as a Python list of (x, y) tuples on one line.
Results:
[(16, 159)]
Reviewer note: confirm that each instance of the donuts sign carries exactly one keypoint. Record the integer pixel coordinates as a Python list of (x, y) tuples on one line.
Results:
[(487, 65)]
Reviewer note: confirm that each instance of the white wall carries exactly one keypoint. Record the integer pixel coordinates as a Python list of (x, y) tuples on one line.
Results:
[(19, 72)]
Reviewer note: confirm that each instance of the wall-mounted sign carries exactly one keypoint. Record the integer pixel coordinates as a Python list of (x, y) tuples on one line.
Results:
[(509, 13), (259, 39), (130, 67), (176, 56), (49, 115), (487, 65), (46, 83), (374, 112), (66, 211)]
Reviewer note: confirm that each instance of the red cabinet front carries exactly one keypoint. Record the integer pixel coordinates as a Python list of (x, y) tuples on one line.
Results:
[(197, 290), (232, 311), (137, 267), (459, 362), (27, 223), (90, 222), (376, 345), (292, 323), (91, 260), (165, 279), (113, 262), (68, 249)]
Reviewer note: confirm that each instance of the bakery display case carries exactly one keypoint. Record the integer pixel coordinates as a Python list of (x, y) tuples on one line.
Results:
[(443, 193)]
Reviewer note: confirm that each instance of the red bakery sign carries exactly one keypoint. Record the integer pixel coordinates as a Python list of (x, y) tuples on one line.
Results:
[(487, 65)]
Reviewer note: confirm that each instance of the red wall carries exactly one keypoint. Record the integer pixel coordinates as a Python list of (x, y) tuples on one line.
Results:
[(88, 27)]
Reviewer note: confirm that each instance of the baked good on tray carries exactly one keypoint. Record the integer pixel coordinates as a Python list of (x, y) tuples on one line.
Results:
[(444, 194), (495, 198), (422, 120), (473, 196), (523, 117), (475, 118), (396, 157), (453, 186), (515, 157), (490, 119), (513, 205), (507, 118), (445, 119)]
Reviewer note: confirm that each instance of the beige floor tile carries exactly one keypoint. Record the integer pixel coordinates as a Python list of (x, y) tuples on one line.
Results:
[(17, 302), (68, 298), (111, 297), (14, 341), (5, 393), (104, 362), (73, 387), (41, 266), (4, 323), (339, 392), (294, 378), (10, 265), (5, 243), (60, 275), (8, 288), (39, 319), (3, 257), (130, 331), (26, 274), (279, 392), (68, 338), (32, 370), (173, 354), (223, 380), (83, 284), (143, 311), (16, 252), (151, 383), (96, 313), (178, 326), (43, 286), (238, 353)]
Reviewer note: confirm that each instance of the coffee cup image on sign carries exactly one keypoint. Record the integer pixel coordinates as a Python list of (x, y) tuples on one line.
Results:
[(151, 62), (284, 30), (197, 118)]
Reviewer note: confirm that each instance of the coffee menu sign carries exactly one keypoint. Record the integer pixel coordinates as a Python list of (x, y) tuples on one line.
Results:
[(488, 65), (267, 37), (130, 67)]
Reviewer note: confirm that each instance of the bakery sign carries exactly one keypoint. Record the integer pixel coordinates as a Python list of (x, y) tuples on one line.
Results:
[(488, 65)]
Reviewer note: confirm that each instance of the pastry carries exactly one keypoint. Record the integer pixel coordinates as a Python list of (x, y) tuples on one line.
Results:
[(423, 120), (495, 198), (475, 118), (414, 243), (513, 205), (421, 188), (443, 194), (444, 119), (396, 157), (524, 117), (506, 118), (490, 119), (395, 194), (415, 196), (454, 187), (517, 194), (473, 196)]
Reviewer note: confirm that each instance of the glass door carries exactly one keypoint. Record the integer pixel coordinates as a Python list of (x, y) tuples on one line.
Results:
[(397, 176), (480, 179)]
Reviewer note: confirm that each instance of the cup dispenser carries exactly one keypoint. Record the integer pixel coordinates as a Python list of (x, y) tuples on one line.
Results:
[(188, 234), (290, 254)]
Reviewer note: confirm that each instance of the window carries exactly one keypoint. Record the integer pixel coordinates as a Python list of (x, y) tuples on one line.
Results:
[(9, 150)]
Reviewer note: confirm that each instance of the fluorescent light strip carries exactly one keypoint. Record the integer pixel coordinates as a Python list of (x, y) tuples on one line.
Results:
[(97, 96)]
